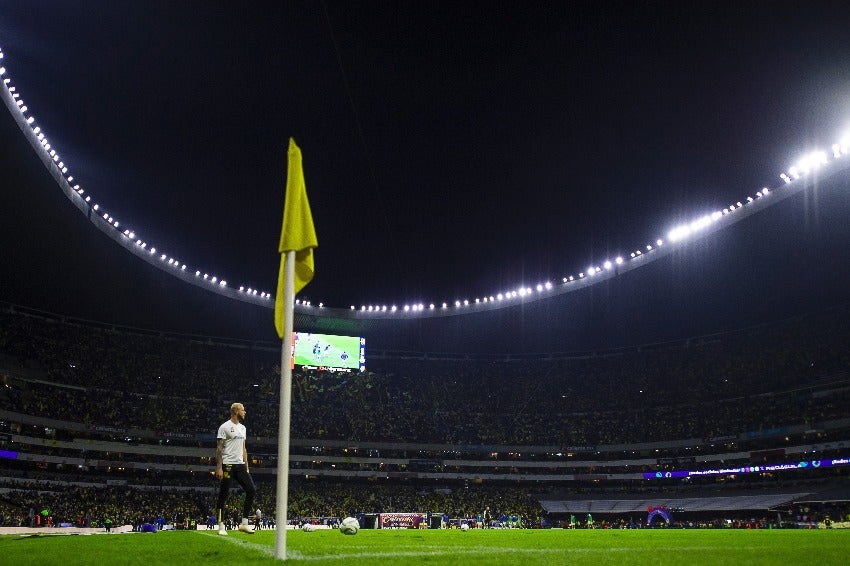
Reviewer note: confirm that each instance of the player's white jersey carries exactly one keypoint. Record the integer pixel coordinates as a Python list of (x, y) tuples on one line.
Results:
[(234, 442)]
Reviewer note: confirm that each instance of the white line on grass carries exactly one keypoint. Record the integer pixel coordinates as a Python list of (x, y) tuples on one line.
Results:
[(262, 548)]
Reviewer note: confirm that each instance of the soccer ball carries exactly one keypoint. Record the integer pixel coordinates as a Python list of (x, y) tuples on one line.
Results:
[(349, 526), (308, 528), (464, 527)]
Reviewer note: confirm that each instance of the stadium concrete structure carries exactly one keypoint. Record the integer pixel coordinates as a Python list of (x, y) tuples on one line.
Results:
[(765, 264)]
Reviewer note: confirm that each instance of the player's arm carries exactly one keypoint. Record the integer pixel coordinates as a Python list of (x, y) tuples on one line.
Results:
[(245, 456), (219, 446)]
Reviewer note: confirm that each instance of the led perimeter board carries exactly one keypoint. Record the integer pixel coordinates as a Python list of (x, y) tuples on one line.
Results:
[(328, 352)]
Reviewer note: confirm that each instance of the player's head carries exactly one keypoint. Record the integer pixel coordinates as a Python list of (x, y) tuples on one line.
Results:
[(237, 410)]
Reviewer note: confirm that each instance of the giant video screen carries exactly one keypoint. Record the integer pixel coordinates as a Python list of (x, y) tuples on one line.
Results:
[(329, 351)]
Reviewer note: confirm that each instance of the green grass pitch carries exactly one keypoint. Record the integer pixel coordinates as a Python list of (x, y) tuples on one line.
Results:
[(523, 547)]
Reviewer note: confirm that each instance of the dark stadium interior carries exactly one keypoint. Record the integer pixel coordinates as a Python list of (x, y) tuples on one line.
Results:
[(725, 364)]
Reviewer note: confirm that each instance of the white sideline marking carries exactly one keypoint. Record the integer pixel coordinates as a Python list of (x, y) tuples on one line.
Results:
[(438, 551)]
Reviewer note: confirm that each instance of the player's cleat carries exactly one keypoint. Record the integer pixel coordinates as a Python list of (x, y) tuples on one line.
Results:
[(246, 528), (222, 531)]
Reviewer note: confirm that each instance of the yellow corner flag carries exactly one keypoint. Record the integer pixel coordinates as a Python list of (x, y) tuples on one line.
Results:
[(296, 234)]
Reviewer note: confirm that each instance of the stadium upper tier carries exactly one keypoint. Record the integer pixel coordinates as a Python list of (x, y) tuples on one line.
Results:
[(762, 383)]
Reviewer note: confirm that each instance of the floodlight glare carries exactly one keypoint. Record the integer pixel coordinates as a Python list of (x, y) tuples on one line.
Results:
[(607, 264)]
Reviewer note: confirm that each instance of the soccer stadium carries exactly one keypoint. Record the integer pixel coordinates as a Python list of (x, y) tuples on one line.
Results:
[(686, 396)]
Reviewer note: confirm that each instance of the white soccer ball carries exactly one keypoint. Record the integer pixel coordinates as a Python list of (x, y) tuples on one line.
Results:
[(464, 527), (349, 526), (308, 528)]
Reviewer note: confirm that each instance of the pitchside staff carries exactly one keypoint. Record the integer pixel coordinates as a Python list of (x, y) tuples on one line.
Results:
[(231, 462)]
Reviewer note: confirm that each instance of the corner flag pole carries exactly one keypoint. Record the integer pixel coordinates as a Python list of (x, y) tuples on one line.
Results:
[(284, 411), (297, 241)]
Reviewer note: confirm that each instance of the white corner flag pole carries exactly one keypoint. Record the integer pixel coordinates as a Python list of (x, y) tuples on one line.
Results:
[(284, 411)]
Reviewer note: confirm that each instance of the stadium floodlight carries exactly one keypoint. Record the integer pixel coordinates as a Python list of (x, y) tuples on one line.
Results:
[(30, 120), (40, 137), (214, 279), (812, 161), (431, 306), (223, 283), (785, 178), (183, 267), (619, 260), (445, 305), (457, 303), (394, 308), (678, 233), (3, 71), (548, 285), (649, 247), (607, 264), (351, 307), (836, 150), (36, 130)]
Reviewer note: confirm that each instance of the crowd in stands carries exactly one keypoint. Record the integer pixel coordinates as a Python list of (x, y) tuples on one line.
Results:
[(767, 377), (759, 379)]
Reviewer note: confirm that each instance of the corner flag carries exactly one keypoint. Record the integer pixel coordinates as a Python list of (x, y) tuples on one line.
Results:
[(296, 234)]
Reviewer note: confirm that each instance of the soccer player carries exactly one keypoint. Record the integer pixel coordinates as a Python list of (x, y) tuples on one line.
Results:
[(231, 462)]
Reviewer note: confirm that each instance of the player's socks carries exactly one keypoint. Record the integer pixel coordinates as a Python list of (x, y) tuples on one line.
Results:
[(221, 529)]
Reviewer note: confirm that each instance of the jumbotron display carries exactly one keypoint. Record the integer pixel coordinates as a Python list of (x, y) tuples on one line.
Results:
[(328, 352)]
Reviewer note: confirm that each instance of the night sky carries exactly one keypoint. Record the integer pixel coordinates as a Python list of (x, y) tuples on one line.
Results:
[(451, 149)]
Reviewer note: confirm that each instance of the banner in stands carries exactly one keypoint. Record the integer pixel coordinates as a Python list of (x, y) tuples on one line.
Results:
[(804, 465), (401, 520)]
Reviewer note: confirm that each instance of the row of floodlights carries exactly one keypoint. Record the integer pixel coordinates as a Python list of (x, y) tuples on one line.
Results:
[(127, 233), (808, 164)]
